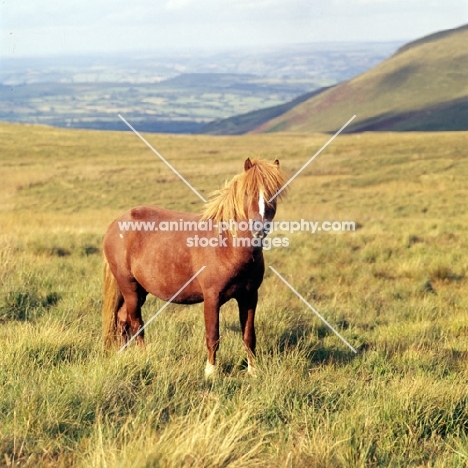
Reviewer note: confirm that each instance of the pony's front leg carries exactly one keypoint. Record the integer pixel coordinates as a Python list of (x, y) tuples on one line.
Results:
[(247, 305), (211, 311)]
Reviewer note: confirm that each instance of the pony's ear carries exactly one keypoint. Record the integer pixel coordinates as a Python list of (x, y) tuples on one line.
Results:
[(247, 164), (276, 162)]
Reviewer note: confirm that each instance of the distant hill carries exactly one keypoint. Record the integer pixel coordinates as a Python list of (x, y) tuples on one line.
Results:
[(432, 37), (174, 91), (422, 87), (243, 123)]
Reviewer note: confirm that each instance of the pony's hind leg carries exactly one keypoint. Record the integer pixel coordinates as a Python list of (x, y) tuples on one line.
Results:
[(122, 325), (134, 298), (247, 305)]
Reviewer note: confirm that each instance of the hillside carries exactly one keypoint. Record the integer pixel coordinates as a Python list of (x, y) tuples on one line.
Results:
[(423, 86), (243, 123)]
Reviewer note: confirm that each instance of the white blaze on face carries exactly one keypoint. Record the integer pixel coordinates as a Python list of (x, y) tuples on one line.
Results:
[(261, 205)]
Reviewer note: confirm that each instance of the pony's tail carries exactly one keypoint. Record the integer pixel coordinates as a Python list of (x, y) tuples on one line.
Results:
[(112, 301)]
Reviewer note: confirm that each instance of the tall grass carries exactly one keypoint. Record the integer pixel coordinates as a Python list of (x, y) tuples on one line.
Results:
[(396, 289)]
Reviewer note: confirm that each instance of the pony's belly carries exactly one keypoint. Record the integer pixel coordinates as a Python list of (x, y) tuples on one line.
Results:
[(171, 291), (238, 291), (187, 300)]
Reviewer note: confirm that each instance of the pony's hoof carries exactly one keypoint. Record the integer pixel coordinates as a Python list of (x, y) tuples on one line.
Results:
[(251, 371), (210, 370)]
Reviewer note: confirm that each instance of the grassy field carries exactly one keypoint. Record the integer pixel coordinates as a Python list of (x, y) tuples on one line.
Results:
[(396, 289), (183, 104)]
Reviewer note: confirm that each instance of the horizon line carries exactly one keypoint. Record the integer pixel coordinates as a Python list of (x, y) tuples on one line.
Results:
[(188, 48)]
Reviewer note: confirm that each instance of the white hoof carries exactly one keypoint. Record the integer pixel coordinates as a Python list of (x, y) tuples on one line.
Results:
[(210, 369), (251, 369)]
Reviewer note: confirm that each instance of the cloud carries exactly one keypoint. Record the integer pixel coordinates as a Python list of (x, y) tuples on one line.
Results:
[(51, 26), (177, 4)]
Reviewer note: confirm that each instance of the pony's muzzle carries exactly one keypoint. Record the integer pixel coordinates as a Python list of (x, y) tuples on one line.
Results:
[(261, 234), (258, 229)]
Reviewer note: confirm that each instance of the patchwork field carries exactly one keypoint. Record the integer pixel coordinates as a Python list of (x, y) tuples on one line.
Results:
[(396, 289), (183, 104), (173, 91)]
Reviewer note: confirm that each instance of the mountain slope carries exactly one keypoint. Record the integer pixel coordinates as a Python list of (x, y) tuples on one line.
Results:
[(423, 86), (243, 123)]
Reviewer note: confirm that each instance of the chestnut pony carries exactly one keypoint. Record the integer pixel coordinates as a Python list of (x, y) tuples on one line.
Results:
[(160, 262)]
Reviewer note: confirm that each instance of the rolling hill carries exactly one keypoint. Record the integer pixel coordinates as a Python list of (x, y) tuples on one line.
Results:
[(423, 86), (243, 123)]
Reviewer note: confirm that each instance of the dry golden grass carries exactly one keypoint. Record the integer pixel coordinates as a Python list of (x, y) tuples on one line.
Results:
[(396, 289)]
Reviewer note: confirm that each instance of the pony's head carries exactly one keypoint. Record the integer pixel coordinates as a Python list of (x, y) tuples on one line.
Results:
[(250, 196)]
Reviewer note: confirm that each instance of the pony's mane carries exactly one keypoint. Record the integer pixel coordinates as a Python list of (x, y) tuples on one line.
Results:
[(228, 203)]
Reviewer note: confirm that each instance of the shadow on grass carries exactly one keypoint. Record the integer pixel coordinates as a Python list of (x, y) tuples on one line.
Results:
[(307, 338), (322, 355), (26, 304), (301, 336)]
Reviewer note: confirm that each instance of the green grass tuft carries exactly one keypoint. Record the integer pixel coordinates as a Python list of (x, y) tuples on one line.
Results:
[(396, 289)]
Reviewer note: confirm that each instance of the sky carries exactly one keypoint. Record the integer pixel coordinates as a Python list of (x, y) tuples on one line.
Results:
[(42, 28)]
